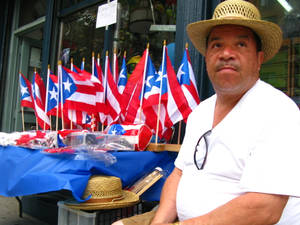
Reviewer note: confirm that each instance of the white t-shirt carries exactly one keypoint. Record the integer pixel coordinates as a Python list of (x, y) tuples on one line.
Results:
[(255, 148)]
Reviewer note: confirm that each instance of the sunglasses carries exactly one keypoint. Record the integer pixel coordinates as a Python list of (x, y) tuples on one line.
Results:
[(200, 156)]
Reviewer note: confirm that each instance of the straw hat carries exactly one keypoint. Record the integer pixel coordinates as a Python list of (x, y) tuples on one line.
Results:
[(106, 193), (238, 12)]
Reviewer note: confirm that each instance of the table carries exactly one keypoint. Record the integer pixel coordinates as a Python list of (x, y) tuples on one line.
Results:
[(26, 171)]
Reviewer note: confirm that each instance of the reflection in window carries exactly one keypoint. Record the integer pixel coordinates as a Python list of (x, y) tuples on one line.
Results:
[(137, 17), (70, 3), (283, 71), (30, 10), (131, 33), (81, 38)]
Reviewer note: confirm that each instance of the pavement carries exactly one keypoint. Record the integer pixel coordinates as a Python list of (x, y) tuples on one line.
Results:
[(9, 213)]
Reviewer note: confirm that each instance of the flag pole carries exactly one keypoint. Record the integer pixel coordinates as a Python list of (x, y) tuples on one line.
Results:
[(93, 123), (93, 74), (46, 105), (82, 63), (105, 82), (160, 90), (36, 123), (179, 132), (143, 84), (115, 64), (93, 58), (23, 123), (58, 91), (61, 96), (69, 110), (98, 62), (22, 109), (36, 120)]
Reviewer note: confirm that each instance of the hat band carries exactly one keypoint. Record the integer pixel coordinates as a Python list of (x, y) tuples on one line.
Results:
[(232, 17), (105, 200)]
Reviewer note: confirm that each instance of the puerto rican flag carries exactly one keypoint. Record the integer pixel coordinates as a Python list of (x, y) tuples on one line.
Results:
[(186, 78), (141, 132), (152, 86), (52, 99), (100, 95), (122, 81), (143, 102), (131, 97), (25, 92), (151, 98), (176, 105), (78, 92), (39, 94), (113, 106), (97, 78), (80, 119)]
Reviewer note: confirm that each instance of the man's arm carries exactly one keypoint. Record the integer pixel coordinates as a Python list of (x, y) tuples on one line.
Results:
[(166, 212), (248, 209)]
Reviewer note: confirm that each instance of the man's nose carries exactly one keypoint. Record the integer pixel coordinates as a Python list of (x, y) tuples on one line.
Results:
[(227, 53)]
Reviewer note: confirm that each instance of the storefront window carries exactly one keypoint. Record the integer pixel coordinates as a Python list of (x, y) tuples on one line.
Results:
[(283, 71), (31, 10), (139, 22), (80, 37), (147, 21), (70, 3)]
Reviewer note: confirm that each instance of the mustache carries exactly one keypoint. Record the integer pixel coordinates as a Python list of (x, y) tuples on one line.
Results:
[(221, 64)]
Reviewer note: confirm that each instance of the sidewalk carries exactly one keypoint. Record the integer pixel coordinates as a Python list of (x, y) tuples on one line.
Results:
[(9, 213)]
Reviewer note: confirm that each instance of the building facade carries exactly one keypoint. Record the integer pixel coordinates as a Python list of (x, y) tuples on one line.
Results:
[(38, 33)]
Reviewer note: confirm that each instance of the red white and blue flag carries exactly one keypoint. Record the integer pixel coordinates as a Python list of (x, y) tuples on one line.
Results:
[(78, 92), (52, 94), (131, 97), (186, 78), (25, 92), (122, 81), (176, 106), (97, 79), (81, 119), (113, 106), (39, 94), (142, 95)]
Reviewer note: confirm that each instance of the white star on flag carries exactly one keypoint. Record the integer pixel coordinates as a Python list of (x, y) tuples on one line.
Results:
[(67, 85), (180, 72), (148, 80), (53, 94), (24, 90)]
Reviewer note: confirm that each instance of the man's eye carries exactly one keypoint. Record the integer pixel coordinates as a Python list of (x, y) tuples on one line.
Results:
[(216, 45), (242, 44)]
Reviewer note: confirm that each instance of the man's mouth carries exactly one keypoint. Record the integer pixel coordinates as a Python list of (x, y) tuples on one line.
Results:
[(226, 68)]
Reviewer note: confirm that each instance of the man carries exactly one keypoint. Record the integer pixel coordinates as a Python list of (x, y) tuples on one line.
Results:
[(239, 161)]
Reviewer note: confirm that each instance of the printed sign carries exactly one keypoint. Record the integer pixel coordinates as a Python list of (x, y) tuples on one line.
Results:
[(107, 14)]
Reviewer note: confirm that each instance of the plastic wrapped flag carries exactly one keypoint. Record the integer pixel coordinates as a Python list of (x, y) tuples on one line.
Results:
[(142, 133)]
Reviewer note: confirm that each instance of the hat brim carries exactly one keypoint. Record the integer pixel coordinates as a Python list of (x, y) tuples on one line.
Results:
[(129, 199), (269, 33)]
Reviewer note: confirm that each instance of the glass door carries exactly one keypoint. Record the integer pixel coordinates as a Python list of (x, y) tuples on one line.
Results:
[(29, 53)]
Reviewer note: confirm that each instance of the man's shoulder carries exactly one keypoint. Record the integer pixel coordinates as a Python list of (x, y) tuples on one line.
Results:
[(204, 109), (210, 101), (269, 99), (264, 92)]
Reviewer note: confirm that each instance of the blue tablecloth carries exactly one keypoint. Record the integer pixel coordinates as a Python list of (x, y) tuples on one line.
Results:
[(26, 171)]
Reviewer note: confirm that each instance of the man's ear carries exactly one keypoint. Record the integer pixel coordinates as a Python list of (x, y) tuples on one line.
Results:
[(260, 56)]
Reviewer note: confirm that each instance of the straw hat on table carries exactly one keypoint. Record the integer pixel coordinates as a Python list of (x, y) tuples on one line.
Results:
[(106, 193), (237, 12)]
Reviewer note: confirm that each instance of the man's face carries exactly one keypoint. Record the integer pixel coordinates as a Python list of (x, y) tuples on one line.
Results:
[(232, 60)]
